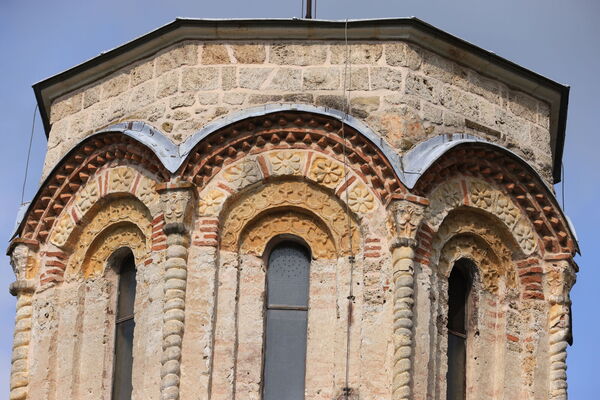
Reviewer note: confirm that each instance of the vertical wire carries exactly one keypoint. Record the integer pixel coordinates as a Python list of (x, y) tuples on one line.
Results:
[(347, 75), (562, 171), (28, 155)]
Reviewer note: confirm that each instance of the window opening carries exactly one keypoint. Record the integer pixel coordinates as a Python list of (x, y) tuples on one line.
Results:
[(459, 288), (124, 327), (286, 322)]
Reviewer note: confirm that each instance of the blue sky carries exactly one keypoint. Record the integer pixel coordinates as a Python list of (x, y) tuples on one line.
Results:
[(558, 39)]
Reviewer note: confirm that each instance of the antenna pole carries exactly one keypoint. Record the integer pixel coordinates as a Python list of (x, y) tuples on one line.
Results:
[(308, 9)]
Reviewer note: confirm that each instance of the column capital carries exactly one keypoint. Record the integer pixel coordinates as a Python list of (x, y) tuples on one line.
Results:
[(406, 217), (176, 200), (21, 286)]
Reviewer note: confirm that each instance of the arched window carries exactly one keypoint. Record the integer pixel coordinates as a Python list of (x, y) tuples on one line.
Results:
[(459, 288), (123, 357), (287, 309)]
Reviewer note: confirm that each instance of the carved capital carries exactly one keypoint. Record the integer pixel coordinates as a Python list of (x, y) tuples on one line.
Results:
[(21, 286), (19, 259), (560, 278), (176, 201), (406, 218)]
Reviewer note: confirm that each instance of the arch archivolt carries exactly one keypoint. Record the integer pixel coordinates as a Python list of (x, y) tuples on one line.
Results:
[(122, 180), (257, 235), (120, 222), (319, 211), (315, 167), (106, 243), (478, 194), (472, 235)]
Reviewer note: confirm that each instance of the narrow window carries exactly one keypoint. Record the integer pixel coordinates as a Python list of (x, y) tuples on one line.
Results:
[(459, 287), (287, 309), (123, 360)]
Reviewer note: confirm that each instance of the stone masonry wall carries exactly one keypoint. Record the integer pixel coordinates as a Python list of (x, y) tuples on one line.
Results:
[(401, 91)]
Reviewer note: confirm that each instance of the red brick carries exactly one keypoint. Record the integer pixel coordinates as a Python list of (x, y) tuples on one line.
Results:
[(531, 279), (55, 263), (532, 270), (211, 243), (533, 296), (512, 338)]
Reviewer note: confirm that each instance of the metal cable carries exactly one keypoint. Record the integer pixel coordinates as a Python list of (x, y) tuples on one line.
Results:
[(346, 94), (562, 171), (28, 155)]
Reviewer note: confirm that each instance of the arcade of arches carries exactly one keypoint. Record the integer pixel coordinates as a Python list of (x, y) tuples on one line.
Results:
[(200, 240), (280, 253)]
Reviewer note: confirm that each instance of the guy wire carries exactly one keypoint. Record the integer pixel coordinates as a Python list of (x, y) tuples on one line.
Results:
[(28, 155), (346, 94)]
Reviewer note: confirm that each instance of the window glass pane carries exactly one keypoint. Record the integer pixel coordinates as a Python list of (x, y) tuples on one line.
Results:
[(122, 386), (126, 289), (285, 355), (287, 277)]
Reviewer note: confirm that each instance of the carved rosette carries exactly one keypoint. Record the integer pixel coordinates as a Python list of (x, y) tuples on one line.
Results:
[(176, 199), (22, 288), (560, 278), (406, 218)]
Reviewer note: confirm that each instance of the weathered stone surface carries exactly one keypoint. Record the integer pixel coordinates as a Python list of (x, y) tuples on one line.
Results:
[(116, 85), (386, 78), (91, 96), (286, 79), (200, 78), (297, 54), (215, 54), (253, 78), (142, 72), (66, 107), (363, 106), (403, 55), (358, 53), (183, 100), (249, 53), (321, 78), (168, 84), (228, 78), (186, 54)]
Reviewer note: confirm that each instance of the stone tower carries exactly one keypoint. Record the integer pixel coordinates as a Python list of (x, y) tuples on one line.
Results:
[(295, 209)]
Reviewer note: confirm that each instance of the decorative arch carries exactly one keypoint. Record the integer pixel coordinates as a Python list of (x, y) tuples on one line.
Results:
[(291, 131), (111, 182), (475, 236), (263, 229), (106, 244), (480, 195), (262, 213), (110, 225), (86, 160), (501, 169)]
